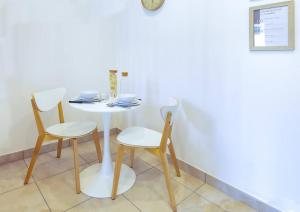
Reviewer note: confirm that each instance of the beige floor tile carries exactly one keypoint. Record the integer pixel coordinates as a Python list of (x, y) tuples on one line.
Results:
[(87, 150), (139, 166), (195, 203), (59, 191), (42, 158), (12, 175), (105, 205), (221, 199), (27, 198), (186, 179), (147, 157), (48, 165), (150, 193)]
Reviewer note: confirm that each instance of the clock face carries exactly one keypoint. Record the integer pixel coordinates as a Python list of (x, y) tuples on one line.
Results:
[(152, 4)]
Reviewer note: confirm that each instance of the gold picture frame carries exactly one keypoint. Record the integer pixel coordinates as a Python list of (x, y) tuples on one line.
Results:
[(265, 37)]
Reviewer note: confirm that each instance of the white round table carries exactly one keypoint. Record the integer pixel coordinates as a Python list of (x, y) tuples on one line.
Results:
[(96, 180)]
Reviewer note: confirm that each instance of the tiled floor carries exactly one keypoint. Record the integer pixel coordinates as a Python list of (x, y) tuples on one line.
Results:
[(52, 188)]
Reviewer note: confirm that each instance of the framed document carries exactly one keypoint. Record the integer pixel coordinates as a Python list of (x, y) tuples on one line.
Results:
[(272, 27)]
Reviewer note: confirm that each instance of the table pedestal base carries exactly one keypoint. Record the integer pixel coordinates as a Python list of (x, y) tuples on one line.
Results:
[(95, 184)]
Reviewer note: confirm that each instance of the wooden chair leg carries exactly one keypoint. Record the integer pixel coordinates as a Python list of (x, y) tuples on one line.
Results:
[(174, 159), (97, 144), (35, 154), (118, 166), (131, 156), (59, 147), (76, 165), (165, 166)]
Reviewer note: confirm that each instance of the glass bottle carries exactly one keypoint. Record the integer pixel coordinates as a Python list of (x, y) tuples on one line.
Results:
[(124, 84), (113, 83)]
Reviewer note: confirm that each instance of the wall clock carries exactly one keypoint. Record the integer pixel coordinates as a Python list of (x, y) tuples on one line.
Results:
[(152, 4)]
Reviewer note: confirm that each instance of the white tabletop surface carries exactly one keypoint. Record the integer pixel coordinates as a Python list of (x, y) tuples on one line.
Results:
[(100, 107)]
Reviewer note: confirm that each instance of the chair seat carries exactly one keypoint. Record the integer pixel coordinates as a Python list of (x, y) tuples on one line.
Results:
[(72, 129), (140, 137)]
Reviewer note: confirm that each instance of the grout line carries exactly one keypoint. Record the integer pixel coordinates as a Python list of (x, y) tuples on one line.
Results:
[(45, 153), (225, 195), (25, 163), (191, 190), (14, 189), (219, 206), (113, 133), (199, 187), (174, 178), (188, 196), (86, 162), (131, 202), (187, 186), (35, 182), (62, 172), (145, 171), (91, 163), (154, 166), (42, 195), (89, 198), (208, 199), (19, 187)]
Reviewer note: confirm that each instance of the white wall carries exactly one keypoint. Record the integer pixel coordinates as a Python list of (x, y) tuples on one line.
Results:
[(239, 114), (240, 109), (47, 44)]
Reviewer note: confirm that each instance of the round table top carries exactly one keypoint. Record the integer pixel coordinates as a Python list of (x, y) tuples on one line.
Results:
[(100, 107)]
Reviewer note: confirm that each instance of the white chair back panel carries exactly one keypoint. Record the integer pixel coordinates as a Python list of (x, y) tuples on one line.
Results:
[(171, 107), (47, 100)]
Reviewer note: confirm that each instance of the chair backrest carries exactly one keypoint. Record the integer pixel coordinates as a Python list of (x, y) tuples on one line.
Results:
[(47, 100), (172, 107), (168, 114)]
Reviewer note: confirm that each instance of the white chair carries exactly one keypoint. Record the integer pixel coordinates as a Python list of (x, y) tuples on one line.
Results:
[(153, 141), (46, 101)]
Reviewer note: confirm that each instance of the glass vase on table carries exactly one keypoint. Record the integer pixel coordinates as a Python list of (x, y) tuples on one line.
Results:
[(113, 79)]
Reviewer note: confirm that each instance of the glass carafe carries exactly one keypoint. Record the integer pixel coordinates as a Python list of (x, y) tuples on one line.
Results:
[(113, 79)]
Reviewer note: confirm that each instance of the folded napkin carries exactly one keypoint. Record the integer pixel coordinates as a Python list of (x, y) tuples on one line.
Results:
[(81, 100), (124, 104)]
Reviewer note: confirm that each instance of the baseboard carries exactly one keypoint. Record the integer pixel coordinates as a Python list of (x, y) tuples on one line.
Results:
[(239, 195), (45, 148), (211, 180), (226, 188)]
